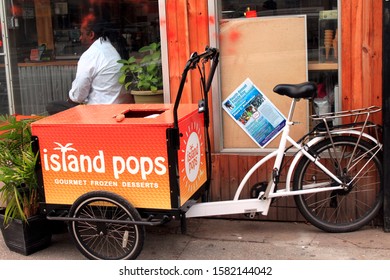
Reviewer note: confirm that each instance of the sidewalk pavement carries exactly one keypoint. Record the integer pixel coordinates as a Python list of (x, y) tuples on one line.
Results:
[(224, 239)]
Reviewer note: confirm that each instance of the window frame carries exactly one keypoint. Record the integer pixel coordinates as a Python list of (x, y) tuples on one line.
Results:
[(215, 11)]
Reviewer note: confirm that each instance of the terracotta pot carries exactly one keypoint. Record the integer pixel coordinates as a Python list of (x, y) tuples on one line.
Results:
[(148, 97)]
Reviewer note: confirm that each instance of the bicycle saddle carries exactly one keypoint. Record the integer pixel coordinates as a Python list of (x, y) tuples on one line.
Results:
[(306, 90)]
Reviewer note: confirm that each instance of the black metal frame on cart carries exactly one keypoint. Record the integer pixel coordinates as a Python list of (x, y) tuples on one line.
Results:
[(173, 134)]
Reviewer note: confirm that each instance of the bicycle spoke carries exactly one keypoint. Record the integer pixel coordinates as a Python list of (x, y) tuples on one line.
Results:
[(357, 202), (108, 239)]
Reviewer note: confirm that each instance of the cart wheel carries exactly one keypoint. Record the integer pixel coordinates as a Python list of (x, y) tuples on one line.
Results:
[(106, 240)]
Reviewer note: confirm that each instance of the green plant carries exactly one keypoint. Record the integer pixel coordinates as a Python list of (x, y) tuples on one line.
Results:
[(144, 73), (17, 169)]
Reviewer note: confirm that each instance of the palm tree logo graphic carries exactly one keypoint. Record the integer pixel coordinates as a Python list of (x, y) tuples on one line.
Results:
[(64, 150)]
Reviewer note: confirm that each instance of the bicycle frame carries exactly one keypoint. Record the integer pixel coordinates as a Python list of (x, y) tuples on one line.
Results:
[(262, 203)]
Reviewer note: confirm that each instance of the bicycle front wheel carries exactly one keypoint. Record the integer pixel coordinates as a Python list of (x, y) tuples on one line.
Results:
[(101, 240), (358, 165)]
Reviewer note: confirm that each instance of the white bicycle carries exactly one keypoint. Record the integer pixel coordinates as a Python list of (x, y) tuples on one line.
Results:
[(335, 173)]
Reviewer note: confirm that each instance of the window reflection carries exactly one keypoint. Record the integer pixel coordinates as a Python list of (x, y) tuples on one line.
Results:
[(136, 21), (45, 46), (56, 23)]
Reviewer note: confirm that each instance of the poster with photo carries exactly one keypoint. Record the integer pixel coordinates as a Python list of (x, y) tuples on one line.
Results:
[(254, 113)]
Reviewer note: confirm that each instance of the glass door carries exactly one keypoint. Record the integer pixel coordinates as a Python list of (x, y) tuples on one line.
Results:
[(6, 101)]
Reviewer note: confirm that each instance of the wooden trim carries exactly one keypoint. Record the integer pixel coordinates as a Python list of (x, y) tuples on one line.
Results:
[(178, 45), (361, 54), (187, 32), (199, 38)]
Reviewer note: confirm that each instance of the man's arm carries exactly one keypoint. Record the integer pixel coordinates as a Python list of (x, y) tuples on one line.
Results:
[(81, 85)]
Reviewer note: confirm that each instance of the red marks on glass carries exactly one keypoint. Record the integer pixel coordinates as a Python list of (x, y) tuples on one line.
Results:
[(229, 40), (234, 36)]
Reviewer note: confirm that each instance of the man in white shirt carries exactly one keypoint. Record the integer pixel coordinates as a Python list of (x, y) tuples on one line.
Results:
[(97, 73)]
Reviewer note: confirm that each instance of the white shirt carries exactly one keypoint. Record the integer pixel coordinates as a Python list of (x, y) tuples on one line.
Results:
[(97, 76)]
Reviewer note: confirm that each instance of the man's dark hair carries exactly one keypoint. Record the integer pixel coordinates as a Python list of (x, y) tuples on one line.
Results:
[(106, 31)]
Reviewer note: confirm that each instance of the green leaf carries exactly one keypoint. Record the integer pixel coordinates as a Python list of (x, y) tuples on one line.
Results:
[(146, 59), (151, 67), (156, 55), (131, 60), (145, 49), (122, 79), (127, 85)]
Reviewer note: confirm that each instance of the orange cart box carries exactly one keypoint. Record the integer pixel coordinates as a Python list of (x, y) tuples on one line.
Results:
[(93, 147)]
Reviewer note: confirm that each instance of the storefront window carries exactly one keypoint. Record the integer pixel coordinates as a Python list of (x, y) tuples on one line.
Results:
[(3, 82), (45, 46), (278, 41)]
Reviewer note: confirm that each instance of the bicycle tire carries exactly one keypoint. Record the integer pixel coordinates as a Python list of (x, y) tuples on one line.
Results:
[(102, 240), (342, 210)]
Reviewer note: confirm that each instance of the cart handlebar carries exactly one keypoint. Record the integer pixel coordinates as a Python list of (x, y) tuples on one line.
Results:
[(209, 54), (195, 58), (193, 61)]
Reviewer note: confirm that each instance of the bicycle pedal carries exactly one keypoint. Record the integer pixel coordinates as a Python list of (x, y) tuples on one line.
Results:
[(257, 188)]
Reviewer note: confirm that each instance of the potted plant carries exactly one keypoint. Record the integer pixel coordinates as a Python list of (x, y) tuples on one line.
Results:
[(143, 75), (24, 230)]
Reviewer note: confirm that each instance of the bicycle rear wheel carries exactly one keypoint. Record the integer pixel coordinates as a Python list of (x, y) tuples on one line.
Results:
[(346, 209), (100, 240)]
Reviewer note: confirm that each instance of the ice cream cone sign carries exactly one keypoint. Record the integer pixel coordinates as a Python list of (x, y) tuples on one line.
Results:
[(328, 42)]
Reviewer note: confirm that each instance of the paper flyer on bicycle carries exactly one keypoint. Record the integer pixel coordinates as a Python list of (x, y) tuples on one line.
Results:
[(254, 113)]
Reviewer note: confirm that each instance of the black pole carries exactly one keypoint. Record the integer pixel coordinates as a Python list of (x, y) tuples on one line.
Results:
[(386, 113)]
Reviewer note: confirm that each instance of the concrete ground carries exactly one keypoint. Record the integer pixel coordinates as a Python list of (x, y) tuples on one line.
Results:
[(224, 239)]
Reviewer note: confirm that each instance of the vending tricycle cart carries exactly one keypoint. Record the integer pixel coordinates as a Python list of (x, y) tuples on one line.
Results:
[(109, 170)]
